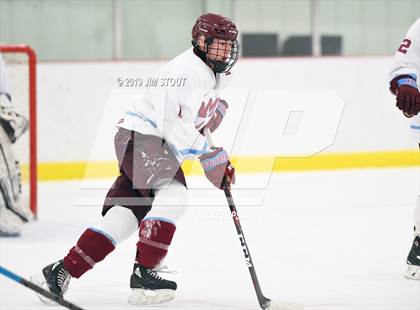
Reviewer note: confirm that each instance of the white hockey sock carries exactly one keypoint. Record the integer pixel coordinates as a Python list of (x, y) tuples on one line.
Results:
[(170, 202), (119, 224)]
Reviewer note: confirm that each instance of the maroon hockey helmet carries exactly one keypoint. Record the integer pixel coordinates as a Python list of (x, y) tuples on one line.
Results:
[(214, 26)]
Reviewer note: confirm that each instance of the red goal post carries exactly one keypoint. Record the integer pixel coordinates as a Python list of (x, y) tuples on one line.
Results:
[(31, 61)]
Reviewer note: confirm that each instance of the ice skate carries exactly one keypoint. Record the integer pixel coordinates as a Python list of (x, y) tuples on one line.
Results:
[(413, 261), (54, 278), (149, 288)]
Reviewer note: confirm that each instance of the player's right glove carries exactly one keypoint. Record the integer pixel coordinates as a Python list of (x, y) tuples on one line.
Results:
[(408, 96), (217, 166)]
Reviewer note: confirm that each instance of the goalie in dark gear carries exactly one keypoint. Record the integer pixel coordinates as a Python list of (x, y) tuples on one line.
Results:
[(13, 213)]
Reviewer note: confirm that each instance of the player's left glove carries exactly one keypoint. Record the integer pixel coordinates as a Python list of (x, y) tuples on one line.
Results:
[(218, 115), (408, 96), (408, 100), (217, 167)]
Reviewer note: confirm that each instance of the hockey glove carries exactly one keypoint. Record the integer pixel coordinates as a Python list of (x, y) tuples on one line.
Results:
[(217, 167), (218, 115), (408, 96), (13, 123)]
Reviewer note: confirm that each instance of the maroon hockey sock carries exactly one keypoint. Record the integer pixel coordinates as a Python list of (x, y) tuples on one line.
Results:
[(155, 238), (91, 248)]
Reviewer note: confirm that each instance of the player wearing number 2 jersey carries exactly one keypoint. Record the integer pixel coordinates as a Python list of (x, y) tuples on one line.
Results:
[(404, 84)]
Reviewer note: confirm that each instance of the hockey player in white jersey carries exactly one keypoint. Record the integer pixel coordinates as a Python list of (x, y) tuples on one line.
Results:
[(163, 127), (13, 213), (404, 84)]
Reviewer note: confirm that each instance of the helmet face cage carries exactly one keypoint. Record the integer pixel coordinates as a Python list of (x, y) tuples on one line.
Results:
[(222, 54), (221, 50)]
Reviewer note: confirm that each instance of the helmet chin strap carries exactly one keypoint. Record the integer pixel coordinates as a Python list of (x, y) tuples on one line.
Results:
[(216, 65), (219, 66)]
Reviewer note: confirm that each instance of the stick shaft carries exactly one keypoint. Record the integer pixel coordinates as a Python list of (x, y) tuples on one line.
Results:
[(262, 300), (208, 136), (38, 289)]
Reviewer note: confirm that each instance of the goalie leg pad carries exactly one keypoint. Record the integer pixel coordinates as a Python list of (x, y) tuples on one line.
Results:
[(10, 180), (13, 201), (10, 224)]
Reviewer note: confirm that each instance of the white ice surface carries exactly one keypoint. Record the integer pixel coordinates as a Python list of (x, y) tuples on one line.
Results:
[(330, 240)]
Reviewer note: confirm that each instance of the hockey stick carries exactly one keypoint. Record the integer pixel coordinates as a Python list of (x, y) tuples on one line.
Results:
[(38, 289), (265, 303)]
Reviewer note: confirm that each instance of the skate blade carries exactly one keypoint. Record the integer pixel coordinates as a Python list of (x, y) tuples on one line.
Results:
[(39, 280), (412, 273), (146, 297), (276, 305), (9, 235)]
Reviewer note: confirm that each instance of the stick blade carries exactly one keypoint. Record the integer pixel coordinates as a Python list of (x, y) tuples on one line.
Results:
[(277, 305)]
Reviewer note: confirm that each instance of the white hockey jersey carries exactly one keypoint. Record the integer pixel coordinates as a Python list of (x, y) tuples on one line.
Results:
[(177, 109), (407, 61)]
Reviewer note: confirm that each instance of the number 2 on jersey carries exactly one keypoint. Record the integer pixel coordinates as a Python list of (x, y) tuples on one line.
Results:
[(404, 46)]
